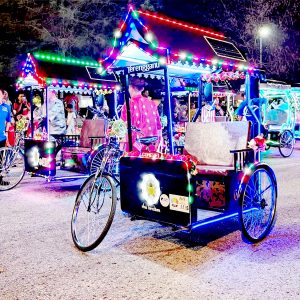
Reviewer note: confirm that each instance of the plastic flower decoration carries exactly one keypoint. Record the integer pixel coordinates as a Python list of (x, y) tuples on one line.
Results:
[(21, 124), (37, 101), (258, 143), (117, 128)]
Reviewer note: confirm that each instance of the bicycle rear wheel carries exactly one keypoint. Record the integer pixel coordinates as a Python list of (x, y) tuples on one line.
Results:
[(12, 168), (257, 211), (93, 212), (286, 143)]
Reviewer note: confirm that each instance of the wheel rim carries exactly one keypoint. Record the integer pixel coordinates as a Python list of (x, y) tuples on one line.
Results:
[(91, 222), (111, 166), (12, 168), (258, 205), (286, 143)]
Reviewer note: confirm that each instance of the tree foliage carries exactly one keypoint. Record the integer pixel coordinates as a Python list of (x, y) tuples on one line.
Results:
[(84, 28)]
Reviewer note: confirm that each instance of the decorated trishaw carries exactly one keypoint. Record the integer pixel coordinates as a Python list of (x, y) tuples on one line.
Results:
[(214, 176), (279, 116), (58, 89)]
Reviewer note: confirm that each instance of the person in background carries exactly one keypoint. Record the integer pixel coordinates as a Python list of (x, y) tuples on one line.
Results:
[(71, 118), (56, 114), (218, 108), (5, 118), (243, 112), (208, 113), (11, 129), (144, 114), (21, 107)]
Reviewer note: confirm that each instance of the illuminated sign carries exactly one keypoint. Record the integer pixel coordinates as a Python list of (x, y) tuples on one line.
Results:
[(144, 68)]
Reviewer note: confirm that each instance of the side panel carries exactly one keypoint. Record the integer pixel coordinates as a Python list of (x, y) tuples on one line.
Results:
[(155, 189)]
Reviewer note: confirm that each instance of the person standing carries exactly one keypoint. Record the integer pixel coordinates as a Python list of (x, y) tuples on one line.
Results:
[(5, 118), (71, 117), (144, 114), (56, 115)]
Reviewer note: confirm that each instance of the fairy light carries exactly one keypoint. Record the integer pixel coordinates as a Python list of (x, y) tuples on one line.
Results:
[(153, 45), (54, 58), (182, 24)]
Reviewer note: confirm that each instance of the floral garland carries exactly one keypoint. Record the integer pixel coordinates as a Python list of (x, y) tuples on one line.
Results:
[(191, 163), (258, 143), (223, 76)]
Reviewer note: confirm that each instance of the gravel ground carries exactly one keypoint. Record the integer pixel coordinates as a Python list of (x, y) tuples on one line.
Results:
[(144, 260)]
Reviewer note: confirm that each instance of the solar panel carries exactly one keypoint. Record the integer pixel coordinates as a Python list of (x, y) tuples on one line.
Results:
[(225, 49)]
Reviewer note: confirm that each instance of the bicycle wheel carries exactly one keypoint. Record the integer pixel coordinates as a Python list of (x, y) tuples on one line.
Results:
[(286, 143), (111, 165), (258, 204), (93, 212), (97, 159), (12, 168)]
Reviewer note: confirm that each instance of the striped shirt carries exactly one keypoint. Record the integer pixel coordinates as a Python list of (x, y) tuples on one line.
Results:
[(208, 114)]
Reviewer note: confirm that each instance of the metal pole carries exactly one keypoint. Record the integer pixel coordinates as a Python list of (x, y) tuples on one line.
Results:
[(127, 101), (169, 110), (260, 52)]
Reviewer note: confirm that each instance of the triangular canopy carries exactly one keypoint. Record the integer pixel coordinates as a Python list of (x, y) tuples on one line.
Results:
[(145, 37)]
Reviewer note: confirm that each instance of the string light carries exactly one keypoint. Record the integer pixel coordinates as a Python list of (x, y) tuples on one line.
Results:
[(46, 56), (182, 24), (120, 40)]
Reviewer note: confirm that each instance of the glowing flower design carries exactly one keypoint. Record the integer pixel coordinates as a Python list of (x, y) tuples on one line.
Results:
[(33, 157), (149, 188)]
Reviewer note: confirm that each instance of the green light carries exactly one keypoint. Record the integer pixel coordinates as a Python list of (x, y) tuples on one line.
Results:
[(189, 57), (189, 188), (37, 55), (191, 200), (135, 14)]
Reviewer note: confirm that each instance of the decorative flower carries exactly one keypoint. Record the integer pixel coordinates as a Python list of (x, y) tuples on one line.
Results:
[(21, 124), (117, 128), (258, 143)]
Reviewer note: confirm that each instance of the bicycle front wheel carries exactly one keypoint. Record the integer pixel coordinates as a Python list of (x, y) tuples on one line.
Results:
[(93, 212), (12, 168)]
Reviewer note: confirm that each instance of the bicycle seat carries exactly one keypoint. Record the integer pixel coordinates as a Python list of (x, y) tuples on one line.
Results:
[(148, 140)]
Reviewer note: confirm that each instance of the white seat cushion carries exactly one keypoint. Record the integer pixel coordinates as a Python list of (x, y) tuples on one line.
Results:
[(210, 143)]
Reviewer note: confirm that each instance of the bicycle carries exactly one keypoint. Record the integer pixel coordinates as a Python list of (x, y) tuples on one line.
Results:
[(96, 201), (12, 164)]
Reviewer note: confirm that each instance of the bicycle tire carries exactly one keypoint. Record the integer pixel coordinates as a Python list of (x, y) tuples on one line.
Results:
[(258, 202), (80, 229), (12, 168), (286, 141)]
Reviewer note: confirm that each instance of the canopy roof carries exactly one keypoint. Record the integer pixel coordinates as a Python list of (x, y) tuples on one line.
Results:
[(145, 37), (44, 70)]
